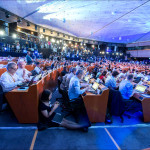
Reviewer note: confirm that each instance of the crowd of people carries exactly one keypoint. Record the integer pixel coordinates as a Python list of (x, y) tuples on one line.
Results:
[(114, 75)]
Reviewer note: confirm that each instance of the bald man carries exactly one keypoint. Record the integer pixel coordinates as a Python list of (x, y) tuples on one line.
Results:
[(22, 72)]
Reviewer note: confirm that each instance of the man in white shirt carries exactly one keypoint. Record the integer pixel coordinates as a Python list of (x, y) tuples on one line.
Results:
[(9, 79), (22, 72)]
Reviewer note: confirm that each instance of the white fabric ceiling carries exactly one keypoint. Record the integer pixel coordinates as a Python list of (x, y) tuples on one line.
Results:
[(83, 18)]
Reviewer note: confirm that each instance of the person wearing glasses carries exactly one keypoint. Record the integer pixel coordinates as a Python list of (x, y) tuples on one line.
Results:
[(9, 79), (22, 72)]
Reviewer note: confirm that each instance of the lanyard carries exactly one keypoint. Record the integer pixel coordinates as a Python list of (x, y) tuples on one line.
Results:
[(11, 76)]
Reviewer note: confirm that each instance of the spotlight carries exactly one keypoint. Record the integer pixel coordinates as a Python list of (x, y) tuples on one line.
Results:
[(18, 29), (28, 24), (1, 32), (46, 38), (7, 15), (41, 36), (53, 40), (14, 36)]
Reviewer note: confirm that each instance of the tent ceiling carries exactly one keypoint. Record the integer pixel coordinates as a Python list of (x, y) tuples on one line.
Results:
[(88, 18)]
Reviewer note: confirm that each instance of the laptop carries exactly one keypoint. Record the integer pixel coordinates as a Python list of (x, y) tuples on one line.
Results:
[(94, 87), (27, 84), (140, 88), (86, 78), (137, 80)]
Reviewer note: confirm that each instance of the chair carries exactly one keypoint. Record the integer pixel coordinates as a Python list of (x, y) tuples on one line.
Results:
[(2, 98), (66, 103), (59, 89), (33, 72), (115, 104)]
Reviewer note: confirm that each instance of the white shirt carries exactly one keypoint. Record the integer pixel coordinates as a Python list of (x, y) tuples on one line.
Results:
[(74, 88), (141, 75), (9, 82), (37, 69), (121, 74), (19, 72), (78, 67)]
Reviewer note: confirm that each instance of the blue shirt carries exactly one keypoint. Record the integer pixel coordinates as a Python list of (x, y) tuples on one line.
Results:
[(74, 88), (110, 82), (126, 89)]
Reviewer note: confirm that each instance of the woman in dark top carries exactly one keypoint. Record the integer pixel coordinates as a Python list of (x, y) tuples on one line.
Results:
[(47, 113)]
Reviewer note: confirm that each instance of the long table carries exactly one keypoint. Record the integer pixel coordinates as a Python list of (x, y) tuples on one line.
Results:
[(145, 101), (24, 103)]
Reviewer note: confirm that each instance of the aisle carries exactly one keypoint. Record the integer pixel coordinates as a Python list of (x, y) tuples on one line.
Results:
[(60, 138)]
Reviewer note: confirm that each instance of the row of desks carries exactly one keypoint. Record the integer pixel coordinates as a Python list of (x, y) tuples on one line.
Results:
[(24, 103)]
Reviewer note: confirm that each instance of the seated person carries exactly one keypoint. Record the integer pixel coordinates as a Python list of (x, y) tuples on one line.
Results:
[(22, 72), (147, 76), (95, 70), (64, 72), (126, 87), (64, 78), (9, 79), (122, 74), (126, 90), (141, 74), (99, 73), (111, 80), (76, 101), (37, 69), (69, 76), (78, 66), (103, 76), (47, 113)]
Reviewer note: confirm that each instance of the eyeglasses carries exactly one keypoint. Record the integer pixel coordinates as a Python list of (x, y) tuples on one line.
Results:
[(14, 68)]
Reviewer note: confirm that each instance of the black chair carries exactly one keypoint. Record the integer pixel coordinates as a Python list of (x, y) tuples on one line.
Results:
[(2, 98), (65, 105), (59, 89), (115, 104), (33, 72)]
